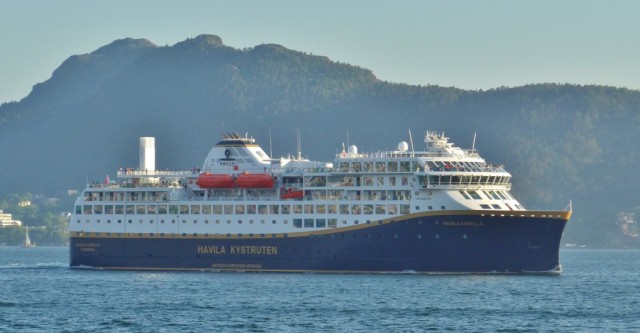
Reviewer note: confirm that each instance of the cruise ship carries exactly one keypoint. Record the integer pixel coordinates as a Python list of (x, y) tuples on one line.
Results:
[(435, 209)]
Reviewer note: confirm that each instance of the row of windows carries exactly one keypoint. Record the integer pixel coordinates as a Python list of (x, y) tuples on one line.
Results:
[(456, 166), (491, 195), (297, 223), (128, 196), (464, 180), (349, 181), (344, 209), (262, 235), (380, 166)]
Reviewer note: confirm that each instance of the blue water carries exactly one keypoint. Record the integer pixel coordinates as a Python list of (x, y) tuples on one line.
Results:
[(598, 291)]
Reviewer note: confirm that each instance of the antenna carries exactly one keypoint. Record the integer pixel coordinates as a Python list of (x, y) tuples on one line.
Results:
[(473, 146), (411, 140), (270, 148), (348, 138), (299, 144)]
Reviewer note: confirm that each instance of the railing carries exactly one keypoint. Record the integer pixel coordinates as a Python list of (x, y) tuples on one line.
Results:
[(156, 173)]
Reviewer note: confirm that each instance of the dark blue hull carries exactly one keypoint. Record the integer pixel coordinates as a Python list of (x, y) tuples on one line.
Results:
[(466, 242)]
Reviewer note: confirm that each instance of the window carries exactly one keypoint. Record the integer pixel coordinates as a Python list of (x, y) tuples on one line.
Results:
[(393, 167), (464, 194), (308, 209), (195, 209), (321, 223), (475, 195), (308, 223), (297, 223), (496, 206), (485, 206)]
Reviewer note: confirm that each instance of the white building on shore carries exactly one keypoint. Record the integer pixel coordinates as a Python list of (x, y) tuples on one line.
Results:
[(6, 220)]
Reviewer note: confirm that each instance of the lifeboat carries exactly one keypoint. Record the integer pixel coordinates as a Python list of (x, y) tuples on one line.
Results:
[(291, 193), (207, 180), (254, 180)]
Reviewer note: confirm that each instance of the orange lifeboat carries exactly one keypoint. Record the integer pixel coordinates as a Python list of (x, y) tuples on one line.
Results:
[(291, 193), (254, 180), (207, 180)]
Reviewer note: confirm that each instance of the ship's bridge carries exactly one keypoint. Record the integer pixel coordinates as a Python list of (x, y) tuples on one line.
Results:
[(236, 153)]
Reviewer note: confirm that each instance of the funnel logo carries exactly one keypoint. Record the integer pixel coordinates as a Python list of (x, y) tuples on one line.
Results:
[(227, 153)]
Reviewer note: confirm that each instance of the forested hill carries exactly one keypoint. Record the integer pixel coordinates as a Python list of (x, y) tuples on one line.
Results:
[(560, 142)]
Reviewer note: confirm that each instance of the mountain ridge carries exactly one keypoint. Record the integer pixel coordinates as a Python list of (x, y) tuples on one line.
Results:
[(83, 123)]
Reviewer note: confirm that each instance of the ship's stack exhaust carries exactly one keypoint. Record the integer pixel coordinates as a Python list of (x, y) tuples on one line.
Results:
[(147, 154), (148, 160)]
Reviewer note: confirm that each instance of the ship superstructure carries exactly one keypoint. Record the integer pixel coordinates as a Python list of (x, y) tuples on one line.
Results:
[(436, 209)]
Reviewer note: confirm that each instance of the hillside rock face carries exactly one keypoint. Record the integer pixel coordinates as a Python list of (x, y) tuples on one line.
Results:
[(560, 142)]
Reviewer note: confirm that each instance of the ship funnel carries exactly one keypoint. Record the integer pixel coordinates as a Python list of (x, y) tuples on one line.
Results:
[(147, 153)]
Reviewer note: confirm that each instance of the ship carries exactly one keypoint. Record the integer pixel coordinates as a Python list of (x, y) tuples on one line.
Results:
[(435, 209)]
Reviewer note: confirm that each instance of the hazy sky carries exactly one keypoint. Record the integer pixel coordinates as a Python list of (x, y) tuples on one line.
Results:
[(466, 44)]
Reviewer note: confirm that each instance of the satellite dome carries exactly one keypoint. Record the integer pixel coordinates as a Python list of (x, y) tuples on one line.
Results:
[(403, 146), (353, 149)]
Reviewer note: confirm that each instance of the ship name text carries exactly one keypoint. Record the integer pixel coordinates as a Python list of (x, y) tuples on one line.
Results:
[(462, 224), (238, 249)]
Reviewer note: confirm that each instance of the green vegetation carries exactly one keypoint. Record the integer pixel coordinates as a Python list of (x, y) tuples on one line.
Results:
[(561, 142), (47, 221)]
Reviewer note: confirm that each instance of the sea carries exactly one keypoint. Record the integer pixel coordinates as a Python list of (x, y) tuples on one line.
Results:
[(598, 291)]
